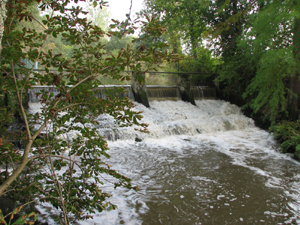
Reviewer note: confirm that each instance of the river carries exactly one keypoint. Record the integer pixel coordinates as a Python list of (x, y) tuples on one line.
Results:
[(206, 164)]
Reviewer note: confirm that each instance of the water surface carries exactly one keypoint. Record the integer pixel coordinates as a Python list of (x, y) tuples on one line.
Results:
[(205, 164)]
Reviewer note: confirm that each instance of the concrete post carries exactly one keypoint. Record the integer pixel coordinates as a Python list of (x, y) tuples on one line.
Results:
[(139, 88), (184, 85)]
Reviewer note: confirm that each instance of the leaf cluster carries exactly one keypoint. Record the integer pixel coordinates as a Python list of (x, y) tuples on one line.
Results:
[(23, 219), (288, 134), (184, 21)]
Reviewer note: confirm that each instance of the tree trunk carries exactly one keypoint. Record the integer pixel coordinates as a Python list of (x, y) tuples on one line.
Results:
[(294, 86), (175, 41), (2, 19), (193, 38)]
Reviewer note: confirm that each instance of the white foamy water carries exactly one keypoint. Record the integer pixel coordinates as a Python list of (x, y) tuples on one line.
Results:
[(204, 164)]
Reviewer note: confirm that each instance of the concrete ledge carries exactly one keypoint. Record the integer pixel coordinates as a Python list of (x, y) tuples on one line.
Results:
[(144, 93)]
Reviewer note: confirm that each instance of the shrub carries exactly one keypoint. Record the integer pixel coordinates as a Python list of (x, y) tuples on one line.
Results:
[(288, 134)]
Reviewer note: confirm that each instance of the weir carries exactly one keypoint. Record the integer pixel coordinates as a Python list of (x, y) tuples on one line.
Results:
[(161, 93), (203, 92), (154, 92), (103, 91)]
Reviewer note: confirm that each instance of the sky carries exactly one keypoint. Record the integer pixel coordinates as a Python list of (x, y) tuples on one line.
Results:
[(119, 8)]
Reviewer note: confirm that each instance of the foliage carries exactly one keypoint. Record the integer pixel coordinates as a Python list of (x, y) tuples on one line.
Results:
[(258, 42), (23, 219), (184, 21), (98, 16), (269, 87), (288, 134), (53, 165), (204, 67), (234, 78), (115, 44), (203, 64), (227, 20), (273, 51)]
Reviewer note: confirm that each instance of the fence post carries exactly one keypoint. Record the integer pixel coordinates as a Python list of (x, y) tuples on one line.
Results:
[(184, 85), (139, 88)]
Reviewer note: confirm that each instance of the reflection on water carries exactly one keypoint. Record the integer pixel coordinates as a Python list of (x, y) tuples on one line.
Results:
[(215, 167)]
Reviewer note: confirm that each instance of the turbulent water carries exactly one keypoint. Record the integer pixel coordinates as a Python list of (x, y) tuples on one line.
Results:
[(205, 164)]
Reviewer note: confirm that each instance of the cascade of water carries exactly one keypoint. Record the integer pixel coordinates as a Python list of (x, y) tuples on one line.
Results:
[(204, 164), (197, 93), (161, 93), (167, 118), (103, 91), (208, 92), (200, 92), (154, 92)]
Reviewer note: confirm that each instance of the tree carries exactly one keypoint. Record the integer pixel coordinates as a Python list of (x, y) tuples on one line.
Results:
[(2, 19), (99, 17), (55, 168), (183, 20), (274, 43), (293, 101), (227, 21), (258, 44), (186, 25), (116, 44)]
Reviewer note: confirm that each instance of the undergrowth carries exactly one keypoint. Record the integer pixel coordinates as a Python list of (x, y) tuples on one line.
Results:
[(288, 135)]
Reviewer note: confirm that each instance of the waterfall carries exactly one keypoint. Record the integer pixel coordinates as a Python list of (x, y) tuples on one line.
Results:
[(103, 91), (154, 92), (197, 93), (167, 118), (161, 93), (202, 92)]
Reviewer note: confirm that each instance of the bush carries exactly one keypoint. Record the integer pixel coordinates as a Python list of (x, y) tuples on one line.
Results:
[(288, 134)]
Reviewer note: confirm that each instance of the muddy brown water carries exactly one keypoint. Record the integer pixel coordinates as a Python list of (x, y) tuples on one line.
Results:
[(204, 164)]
